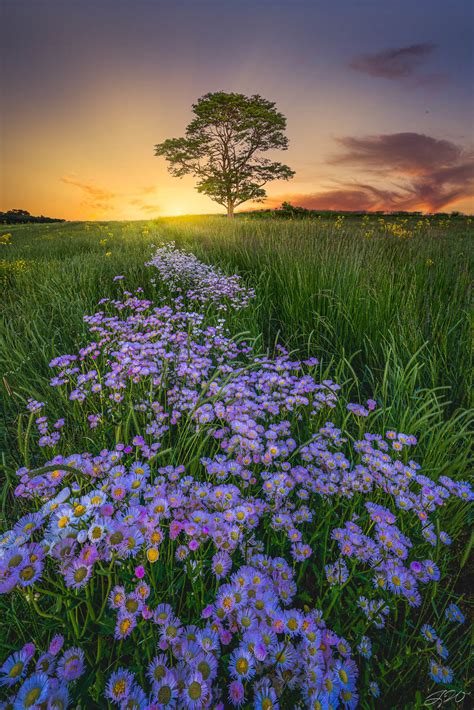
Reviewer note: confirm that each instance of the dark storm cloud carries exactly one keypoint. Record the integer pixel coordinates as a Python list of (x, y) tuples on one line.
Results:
[(395, 63)]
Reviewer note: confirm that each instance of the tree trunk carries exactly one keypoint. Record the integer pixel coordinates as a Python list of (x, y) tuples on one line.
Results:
[(230, 209)]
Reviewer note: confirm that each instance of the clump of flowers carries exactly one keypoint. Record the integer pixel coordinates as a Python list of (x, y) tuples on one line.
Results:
[(44, 683), (274, 645), (183, 272)]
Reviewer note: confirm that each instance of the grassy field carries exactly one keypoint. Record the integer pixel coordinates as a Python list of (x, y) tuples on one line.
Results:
[(383, 304)]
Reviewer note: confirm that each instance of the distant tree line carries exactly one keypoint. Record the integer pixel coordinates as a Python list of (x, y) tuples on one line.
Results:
[(289, 211), (23, 217)]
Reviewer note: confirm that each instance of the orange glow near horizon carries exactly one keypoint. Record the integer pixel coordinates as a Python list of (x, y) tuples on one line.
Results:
[(90, 92)]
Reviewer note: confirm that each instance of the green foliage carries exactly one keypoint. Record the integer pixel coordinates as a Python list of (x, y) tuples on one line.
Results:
[(223, 148)]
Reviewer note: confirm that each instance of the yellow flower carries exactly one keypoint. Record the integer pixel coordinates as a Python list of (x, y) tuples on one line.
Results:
[(152, 554)]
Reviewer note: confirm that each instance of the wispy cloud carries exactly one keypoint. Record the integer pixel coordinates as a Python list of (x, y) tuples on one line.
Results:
[(104, 200), (425, 174), (151, 209), (397, 63), (93, 195)]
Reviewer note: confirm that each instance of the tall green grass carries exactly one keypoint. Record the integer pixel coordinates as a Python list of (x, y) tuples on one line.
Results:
[(388, 314)]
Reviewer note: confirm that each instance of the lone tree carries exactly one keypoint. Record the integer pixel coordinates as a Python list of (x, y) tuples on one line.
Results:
[(223, 148)]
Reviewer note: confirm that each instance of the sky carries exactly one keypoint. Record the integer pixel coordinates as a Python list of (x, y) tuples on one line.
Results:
[(378, 97)]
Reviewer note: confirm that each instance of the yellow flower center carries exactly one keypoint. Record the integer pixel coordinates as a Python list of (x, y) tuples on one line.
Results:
[(32, 697), (16, 670), (119, 687), (27, 573), (204, 669), (195, 690), (80, 574), (131, 605), (15, 561), (242, 666), (159, 672), (164, 695)]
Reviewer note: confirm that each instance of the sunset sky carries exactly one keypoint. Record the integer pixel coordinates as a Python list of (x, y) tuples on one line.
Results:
[(378, 95)]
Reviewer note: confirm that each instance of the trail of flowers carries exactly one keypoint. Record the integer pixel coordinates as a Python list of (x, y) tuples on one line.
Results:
[(214, 499)]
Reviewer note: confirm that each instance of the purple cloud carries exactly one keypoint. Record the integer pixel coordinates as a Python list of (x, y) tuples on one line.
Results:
[(425, 173), (397, 63), (408, 152)]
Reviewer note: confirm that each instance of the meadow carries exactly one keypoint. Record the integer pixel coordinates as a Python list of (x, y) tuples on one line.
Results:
[(347, 527)]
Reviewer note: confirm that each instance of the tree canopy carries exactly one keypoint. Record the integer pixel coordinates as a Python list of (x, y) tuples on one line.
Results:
[(224, 145)]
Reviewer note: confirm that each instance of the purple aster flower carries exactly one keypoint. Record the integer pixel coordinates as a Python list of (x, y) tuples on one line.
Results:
[(56, 644), (241, 664), (365, 647), (30, 573), (71, 664), (125, 625), (195, 692), (14, 668), (428, 633), (58, 697), (77, 574), (221, 564), (441, 649), (29, 649), (265, 696), (33, 692), (236, 693), (454, 613), (45, 664), (374, 689), (439, 673), (166, 690), (158, 668), (119, 685)]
